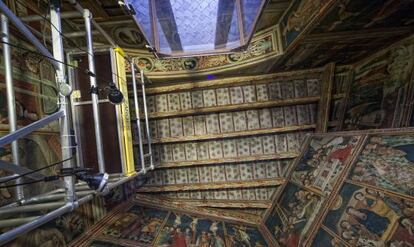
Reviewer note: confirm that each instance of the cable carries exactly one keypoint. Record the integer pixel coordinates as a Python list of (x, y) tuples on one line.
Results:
[(36, 170), (20, 184), (68, 39)]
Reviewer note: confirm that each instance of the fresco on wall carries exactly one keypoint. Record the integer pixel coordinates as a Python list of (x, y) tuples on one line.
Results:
[(323, 162), (360, 14), (326, 240), (238, 235), (380, 87), (374, 206), (27, 105), (387, 162), (184, 230), (311, 182), (136, 224), (296, 19), (293, 215), (366, 217)]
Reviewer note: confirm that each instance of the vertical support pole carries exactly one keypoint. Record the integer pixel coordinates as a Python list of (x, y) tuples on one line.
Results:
[(144, 99), (95, 98), (138, 119), (11, 100), (58, 55)]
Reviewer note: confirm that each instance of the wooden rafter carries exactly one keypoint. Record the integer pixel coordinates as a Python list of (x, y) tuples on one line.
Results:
[(270, 182), (220, 203), (326, 98), (236, 107), (234, 134), (222, 161)]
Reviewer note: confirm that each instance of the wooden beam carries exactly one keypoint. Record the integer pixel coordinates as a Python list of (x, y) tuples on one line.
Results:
[(236, 107), (326, 98), (356, 34), (220, 203), (271, 182), (239, 107), (231, 81), (345, 102), (222, 161), (168, 204), (233, 134)]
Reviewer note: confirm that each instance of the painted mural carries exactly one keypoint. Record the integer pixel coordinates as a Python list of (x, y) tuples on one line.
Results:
[(373, 205), (360, 14), (262, 46), (323, 162), (380, 88), (184, 230), (367, 217), (137, 224), (387, 162), (297, 18), (140, 225)]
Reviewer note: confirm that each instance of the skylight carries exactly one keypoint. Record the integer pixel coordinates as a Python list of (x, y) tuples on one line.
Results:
[(196, 27)]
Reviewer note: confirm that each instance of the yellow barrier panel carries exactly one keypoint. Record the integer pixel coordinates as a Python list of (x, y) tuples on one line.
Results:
[(124, 116)]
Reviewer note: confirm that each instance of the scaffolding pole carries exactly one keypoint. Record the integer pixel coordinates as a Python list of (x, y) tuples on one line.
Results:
[(11, 99), (95, 97), (138, 119), (144, 99), (58, 54)]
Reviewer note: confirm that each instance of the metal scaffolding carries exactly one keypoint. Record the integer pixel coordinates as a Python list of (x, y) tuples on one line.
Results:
[(70, 195)]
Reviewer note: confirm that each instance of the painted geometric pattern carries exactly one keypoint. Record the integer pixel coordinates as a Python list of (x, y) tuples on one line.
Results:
[(137, 225), (233, 95), (212, 161)]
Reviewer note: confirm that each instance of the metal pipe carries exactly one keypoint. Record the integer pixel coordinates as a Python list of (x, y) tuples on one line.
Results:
[(24, 131), (95, 98), (146, 120), (79, 34), (58, 54), (26, 32), (31, 208), (79, 8), (6, 178), (34, 223), (138, 120), (11, 99), (51, 197), (65, 15), (16, 222)]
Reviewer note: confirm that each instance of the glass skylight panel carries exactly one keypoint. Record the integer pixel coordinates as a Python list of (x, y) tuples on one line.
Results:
[(196, 27)]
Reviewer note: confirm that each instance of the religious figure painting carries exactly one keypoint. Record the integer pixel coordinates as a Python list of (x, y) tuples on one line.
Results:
[(138, 224), (360, 14), (324, 161), (367, 217), (293, 215), (379, 88), (326, 240), (387, 161), (243, 236), (296, 19), (182, 230)]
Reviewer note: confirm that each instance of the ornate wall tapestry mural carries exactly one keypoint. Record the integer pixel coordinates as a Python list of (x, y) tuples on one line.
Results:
[(141, 225), (380, 88), (368, 202)]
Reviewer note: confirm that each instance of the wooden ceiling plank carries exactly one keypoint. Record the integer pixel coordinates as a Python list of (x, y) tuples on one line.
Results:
[(233, 134), (326, 98), (222, 161), (212, 186)]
